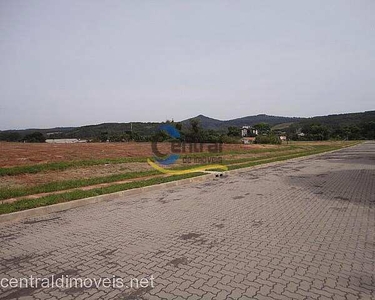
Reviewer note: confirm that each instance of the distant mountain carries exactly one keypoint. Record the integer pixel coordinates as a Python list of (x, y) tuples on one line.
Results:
[(147, 129), (91, 131), (272, 120), (206, 122), (342, 119), (42, 130), (209, 123)]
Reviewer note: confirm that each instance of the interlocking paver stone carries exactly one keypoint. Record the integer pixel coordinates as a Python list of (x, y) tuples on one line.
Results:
[(303, 229)]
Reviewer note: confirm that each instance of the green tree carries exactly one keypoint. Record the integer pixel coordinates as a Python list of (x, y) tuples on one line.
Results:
[(267, 139), (315, 132), (368, 130), (292, 132), (263, 128), (234, 131), (195, 133), (10, 136), (103, 137), (178, 126), (35, 137), (160, 136)]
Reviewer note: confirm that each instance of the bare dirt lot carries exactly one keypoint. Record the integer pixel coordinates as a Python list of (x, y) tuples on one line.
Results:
[(27, 156), (22, 154)]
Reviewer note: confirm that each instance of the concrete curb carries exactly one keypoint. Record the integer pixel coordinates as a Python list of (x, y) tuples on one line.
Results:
[(39, 211)]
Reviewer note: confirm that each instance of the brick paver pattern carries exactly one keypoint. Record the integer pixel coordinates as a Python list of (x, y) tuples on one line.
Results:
[(302, 229)]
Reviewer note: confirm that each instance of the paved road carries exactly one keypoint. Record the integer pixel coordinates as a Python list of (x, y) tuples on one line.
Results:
[(299, 230)]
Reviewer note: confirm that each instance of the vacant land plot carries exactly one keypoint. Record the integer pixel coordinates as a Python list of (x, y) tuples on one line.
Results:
[(62, 172), (22, 154)]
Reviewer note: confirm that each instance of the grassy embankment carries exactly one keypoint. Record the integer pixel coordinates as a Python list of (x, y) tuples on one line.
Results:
[(7, 193), (24, 204)]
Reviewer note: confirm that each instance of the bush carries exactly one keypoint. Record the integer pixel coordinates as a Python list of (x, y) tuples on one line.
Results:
[(230, 140), (267, 139), (35, 137), (10, 136)]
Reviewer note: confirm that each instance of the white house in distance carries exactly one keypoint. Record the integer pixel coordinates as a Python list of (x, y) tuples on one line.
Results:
[(248, 134), (248, 131)]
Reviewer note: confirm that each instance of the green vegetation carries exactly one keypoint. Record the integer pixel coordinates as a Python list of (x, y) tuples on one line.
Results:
[(353, 126), (35, 137), (10, 136), (234, 131), (321, 132), (6, 193), (304, 151), (263, 128), (267, 139), (281, 158), (24, 204)]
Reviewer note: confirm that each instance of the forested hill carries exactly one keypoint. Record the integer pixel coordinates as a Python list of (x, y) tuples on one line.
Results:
[(209, 123), (342, 120)]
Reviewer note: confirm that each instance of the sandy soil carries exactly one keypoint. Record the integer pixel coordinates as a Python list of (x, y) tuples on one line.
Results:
[(71, 174), (21, 154)]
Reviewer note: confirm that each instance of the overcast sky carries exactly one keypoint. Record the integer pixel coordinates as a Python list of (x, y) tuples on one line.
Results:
[(69, 63)]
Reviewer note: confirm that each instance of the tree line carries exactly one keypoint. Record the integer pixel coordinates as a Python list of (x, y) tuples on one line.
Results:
[(195, 133), (319, 132)]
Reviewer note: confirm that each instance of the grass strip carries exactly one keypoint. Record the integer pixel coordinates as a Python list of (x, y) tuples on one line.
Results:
[(247, 159), (24, 204), (6, 193), (280, 158), (242, 151), (233, 164)]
